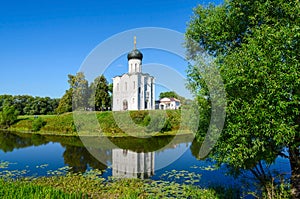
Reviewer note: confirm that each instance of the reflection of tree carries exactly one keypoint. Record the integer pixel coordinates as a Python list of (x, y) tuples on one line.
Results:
[(142, 144), (195, 148), (75, 156), (10, 141), (79, 158)]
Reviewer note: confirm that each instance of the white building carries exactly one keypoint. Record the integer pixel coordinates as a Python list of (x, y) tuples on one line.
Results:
[(169, 103), (129, 164), (134, 90)]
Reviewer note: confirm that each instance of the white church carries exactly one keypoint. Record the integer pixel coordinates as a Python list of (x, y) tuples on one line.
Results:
[(134, 90)]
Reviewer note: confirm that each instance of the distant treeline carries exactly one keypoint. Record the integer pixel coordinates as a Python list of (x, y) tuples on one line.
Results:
[(29, 105), (96, 96)]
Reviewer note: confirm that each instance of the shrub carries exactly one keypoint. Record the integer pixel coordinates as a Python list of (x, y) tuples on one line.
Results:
[(138, 117), (37, 124), (155, 122)]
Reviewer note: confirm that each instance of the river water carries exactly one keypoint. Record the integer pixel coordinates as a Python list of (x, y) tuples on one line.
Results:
[(37, 155)]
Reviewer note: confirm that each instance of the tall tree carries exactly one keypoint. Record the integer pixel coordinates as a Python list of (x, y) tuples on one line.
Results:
[(80, 90), (65, 103), (76, 97), (257, 47), (100, 98)]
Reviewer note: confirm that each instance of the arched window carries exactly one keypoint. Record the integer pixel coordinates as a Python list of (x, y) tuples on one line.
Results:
[(125, 105), (136, 67), (125, 86)]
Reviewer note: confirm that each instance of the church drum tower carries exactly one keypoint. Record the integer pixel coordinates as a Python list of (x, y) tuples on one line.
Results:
[(134, 90)]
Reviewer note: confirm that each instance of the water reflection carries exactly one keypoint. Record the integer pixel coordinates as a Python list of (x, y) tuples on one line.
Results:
[(10, 141), (135, 158), (79, 159), (76, 157), (130, 164)]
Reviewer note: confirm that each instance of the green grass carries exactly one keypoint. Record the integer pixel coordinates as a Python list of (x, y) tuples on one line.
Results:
[(20, 189), (54, 124), (80, 186), (110, 124), (64, 184)]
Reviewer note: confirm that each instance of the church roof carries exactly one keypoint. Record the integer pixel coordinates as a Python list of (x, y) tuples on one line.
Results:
[(131, 74), (172, 99), (135, 54)]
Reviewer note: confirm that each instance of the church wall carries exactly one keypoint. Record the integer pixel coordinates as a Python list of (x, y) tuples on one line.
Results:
[(125, 88), (136, 89)]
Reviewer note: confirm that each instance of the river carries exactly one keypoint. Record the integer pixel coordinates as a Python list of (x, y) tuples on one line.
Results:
[(40, 155)]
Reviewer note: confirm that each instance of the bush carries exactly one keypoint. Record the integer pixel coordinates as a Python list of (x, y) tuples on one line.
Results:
[(155, 122), (37, 124), (139, 116)]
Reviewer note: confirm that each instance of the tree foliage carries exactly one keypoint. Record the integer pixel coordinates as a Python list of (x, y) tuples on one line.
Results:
[(28, 105), (8, 116), (76, 97), (80, 90), (168, 94), (81, 95), (38, 123), (257, 47), (100, 97), (65, 103)]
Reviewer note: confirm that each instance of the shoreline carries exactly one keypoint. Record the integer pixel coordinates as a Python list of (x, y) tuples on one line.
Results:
[(139, 126), (75, 134)]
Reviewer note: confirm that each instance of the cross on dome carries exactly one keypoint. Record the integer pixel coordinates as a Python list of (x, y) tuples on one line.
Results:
[(135, 53)]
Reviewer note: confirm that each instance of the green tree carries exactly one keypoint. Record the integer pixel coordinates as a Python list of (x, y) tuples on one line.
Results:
[(257, 48), (65, 103), (80, 90), (168, 94), (6, 100), (28, 105), (8, 115), (76, 97), (100, 98)]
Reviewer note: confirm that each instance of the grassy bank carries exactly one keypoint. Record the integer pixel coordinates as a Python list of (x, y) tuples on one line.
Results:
[(24, 190), (109, 123), (82, 186)]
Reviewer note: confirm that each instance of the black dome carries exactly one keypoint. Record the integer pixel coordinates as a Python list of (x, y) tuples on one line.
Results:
[(135, 54)]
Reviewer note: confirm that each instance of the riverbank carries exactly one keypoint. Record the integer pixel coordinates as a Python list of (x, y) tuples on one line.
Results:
[(92, 186), (14, 139), (111, 124)]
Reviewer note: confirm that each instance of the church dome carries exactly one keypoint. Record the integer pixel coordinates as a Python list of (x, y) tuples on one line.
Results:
[(135, 54)]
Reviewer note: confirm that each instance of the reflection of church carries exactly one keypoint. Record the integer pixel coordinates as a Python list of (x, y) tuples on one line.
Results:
[(129, 164), (134, 90)]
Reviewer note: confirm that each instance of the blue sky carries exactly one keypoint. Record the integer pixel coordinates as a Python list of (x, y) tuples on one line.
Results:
[(41, 42)]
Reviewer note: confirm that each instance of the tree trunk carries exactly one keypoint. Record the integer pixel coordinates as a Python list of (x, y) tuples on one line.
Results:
[(294, 156)]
